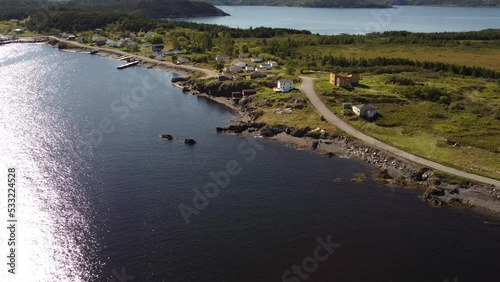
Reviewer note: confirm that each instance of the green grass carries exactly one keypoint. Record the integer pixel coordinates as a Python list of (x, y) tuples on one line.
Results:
[(299, 118), (423, 127)]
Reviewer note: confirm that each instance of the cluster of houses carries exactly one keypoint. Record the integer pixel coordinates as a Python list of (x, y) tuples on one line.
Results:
[(240, 66), (254, 72), (8, 37), (159, 53), (13, 36)]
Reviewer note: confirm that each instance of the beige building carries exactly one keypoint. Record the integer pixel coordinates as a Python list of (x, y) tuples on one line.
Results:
[(347, 81)]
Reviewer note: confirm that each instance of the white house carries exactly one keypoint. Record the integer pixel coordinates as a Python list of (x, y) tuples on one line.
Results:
[(265, 66), (239, 64), (257, 60), (273, 63), (181, 61), (365, 111), (284, 86), (249, 68), (222, 57), (233, 69)]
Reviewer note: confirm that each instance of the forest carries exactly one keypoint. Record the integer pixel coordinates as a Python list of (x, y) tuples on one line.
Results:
[(19, 9)]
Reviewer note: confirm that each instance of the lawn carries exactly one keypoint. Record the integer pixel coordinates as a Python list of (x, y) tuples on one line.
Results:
[(470, 115)]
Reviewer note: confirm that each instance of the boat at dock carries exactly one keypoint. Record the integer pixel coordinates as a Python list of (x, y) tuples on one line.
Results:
[(133, 63)]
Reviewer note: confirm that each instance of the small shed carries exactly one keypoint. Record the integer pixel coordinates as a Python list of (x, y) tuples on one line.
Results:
[(365, 111), (222, 57), (257, 74), (248, 92)]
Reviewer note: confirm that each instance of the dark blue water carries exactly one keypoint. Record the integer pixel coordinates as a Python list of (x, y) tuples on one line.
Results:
[(104, 206)]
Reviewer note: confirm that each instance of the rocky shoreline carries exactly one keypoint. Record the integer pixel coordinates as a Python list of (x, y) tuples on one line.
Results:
[(388, 169)]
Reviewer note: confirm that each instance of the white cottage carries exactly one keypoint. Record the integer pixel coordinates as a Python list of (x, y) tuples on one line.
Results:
[(284, 86), (273, 63)]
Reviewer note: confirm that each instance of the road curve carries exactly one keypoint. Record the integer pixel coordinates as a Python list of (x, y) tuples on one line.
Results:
[(308, 89), (207, 73)]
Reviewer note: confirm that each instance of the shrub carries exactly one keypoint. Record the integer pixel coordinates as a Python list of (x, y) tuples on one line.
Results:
[(399, 80)]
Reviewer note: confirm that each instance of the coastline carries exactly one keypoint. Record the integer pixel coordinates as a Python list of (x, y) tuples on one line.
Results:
[(388, 169), (147, 62)]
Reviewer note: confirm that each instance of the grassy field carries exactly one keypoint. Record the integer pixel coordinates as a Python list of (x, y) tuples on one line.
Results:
[(469, 115), (266, 100), (471, 53)]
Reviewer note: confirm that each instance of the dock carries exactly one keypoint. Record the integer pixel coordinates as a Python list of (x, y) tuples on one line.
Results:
[(124, 58), (128, 65)]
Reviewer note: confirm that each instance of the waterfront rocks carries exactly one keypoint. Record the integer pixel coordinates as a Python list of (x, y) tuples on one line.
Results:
[(315, 145), (62, 45), (299, 132), (166, 137), (384, 174), (180, 79), (241, 127), (266, 131), (217, 88), (421, 175)]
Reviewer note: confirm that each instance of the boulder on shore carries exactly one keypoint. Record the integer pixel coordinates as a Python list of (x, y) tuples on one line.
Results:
[(266, 131)]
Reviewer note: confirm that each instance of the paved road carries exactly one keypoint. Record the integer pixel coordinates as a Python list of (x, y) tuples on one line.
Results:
[(308, 89), (207, 73)]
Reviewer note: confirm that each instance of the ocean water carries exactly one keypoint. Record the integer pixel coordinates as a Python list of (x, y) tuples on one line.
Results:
[(360, 21), (99, 192)]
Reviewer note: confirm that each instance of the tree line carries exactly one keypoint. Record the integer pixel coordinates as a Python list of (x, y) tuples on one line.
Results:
[(330, 61)]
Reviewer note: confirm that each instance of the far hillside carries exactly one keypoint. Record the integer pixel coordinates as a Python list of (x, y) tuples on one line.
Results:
[(154, 9), (356, 3)]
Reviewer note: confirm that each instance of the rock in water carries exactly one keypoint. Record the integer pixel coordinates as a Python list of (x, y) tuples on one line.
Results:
[(166, 137), (189, 141)]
